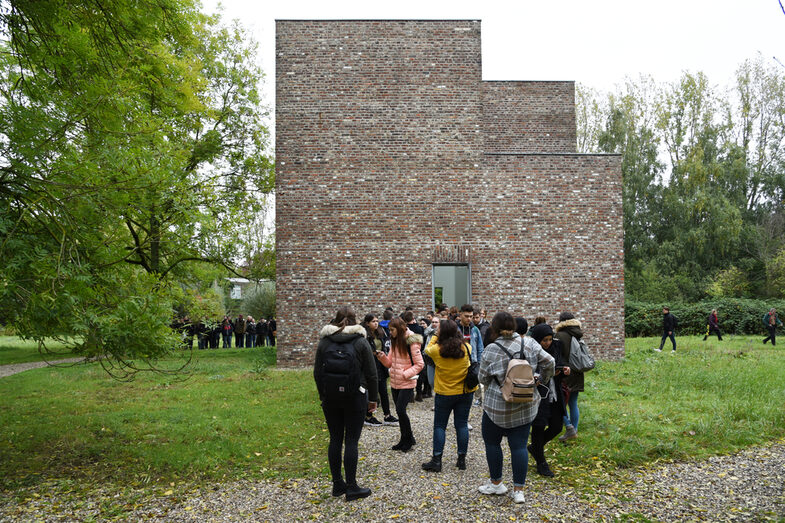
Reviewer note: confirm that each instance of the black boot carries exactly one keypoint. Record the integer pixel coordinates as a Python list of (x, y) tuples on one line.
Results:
[(435, 465), (543, 469), (461, 462), (407, 442), (418, 396), (339, 488), (704, 338), (399, 445), (354, 492)]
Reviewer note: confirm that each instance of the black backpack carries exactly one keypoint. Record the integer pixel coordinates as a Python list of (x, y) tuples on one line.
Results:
[(341, 373)]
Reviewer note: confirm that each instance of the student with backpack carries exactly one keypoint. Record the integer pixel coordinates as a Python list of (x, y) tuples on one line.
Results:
[(345, 375), (771, 321), (451, 356), (572, 385), (510, 368), (713, 325), (404, 363), (669, 323), (549, 421)]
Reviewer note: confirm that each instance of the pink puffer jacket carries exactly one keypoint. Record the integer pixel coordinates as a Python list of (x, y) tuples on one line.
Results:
[(401, 368)]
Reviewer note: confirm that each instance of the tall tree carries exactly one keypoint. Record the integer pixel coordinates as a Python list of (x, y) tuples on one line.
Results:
[(131, 147)]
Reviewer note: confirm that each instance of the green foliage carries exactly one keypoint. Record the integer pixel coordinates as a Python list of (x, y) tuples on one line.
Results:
[(730, 283), (131, 138), (736, 316), (259, 301), (710, 217), (775, 272)]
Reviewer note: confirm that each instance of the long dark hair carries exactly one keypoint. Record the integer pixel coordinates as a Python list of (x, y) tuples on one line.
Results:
[(372, 334), (450, 340), (345, 316), (502, 324), (398, 342)]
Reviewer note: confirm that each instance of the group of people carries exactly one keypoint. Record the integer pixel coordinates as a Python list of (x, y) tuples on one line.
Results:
[(246, 331), (669, 324), (431, 358)]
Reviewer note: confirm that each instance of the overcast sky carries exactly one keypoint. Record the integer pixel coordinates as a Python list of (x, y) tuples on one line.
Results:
[(594, 42)]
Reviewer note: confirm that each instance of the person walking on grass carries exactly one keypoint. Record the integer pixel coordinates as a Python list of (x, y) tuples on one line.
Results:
[(405, 363), (567, 329), (344, 410), (451, 356), (771, 321), (668, 329), (712, 325), (501, 418)]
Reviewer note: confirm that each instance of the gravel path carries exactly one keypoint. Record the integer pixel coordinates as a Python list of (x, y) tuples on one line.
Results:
[(747, 486), (15, 368)]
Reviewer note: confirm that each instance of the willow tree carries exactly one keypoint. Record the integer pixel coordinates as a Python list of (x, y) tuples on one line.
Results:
[(132, 151)]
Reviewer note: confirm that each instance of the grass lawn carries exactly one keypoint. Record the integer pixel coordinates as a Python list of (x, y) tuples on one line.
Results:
[(15, 350), (233, 417)]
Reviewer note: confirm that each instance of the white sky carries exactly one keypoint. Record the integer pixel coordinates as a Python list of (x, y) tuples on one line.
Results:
[(594, 42)]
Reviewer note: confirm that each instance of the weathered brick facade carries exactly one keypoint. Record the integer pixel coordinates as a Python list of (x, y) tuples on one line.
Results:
[(392, 154)]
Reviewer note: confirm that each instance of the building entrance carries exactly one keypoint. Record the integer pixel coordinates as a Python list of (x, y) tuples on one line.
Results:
[(451, 284)]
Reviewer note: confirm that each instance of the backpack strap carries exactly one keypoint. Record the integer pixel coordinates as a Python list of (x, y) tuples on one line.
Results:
[(508, 354)]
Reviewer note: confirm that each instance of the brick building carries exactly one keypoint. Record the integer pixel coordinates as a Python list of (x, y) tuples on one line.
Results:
[(401, 174)]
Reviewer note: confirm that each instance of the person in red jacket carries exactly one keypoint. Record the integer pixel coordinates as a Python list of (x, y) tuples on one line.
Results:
[(713, 325), (405, 363)]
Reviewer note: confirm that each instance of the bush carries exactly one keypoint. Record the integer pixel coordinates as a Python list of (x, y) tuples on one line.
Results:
[(736, 316), (260, 301)]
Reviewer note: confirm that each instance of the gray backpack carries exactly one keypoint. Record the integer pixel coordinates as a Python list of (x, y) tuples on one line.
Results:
[(581, 359)]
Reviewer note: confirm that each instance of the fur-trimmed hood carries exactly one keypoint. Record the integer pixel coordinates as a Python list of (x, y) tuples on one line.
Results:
[(567, 323), (350, 330), (411, 337)]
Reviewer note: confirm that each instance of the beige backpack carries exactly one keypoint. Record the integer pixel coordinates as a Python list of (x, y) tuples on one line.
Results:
[(518, 385)]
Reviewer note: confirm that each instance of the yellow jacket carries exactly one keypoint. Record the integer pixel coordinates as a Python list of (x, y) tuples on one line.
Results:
[(450, 372)]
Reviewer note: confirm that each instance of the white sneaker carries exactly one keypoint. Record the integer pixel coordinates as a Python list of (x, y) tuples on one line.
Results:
[(517, 496), (490, 488), (469, 425), (657, 350)]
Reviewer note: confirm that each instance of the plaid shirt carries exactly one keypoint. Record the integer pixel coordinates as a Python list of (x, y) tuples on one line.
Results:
[(493, 368)]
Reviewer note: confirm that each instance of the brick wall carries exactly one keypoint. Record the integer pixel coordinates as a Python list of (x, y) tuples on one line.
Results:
[(380, 171), (529, 117)]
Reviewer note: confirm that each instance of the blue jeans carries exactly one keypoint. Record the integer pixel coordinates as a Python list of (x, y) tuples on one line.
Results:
[(249, 340), (572, 406), (516, 438), (460, 404), (227, 336), (665, 336)]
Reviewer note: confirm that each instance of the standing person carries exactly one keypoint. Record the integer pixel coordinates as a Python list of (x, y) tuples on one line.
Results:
[(345, 414), (250, 332), (550, 414), (239, 331), (668, 329), (451, 356), (261, 332), (377, 339), (405, 363), (272, 331), (472, 336), (421, 390), (430, 366), (226, 331), (572, 385), (501, 418), (202, 334), (770, 321), (481, 323), (713, 325), (215, 332)]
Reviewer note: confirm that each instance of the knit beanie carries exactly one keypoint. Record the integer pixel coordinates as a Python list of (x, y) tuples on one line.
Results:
[(540, 331)]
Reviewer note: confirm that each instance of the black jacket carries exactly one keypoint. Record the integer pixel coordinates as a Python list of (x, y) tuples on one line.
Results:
[(668, 323), (356, 334), (565, 331)]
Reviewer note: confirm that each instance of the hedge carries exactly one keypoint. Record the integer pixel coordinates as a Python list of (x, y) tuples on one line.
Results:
[(736, 316)]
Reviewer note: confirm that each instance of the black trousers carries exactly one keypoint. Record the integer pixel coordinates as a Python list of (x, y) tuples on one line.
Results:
[(542, 434), (710, 330), (345, 423), (665, 335), (384, 397), (772, 335), (402, 397)]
